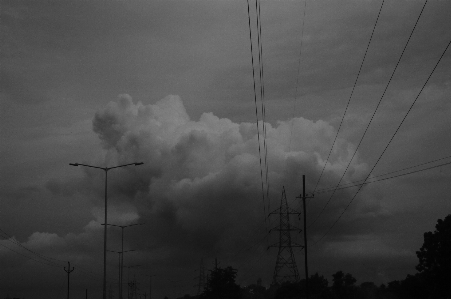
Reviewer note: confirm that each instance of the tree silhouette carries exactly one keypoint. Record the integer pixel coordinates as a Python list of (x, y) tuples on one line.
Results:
[(318, 284), (343, 284), (221, 285), (435, 259)]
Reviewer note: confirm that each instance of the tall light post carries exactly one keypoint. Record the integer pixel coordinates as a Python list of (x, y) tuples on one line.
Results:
[(150, 284), (106, 200), (122, 262), (121, 253), (128, 278)]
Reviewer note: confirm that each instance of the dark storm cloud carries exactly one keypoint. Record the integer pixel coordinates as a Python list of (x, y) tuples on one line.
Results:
[(198, 191), (202, 183)]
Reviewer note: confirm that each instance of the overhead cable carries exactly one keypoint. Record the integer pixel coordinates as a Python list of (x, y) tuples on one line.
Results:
[(262, 95), (384, 179), (298, 75), (393, 136), (374, 113), (352, 92), (256, 113), (357, 183)]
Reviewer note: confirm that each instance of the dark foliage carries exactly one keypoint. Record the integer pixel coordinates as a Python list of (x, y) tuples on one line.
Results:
[(435, 259), (221, 285), (433, 280), (254, 291), (343, 285)]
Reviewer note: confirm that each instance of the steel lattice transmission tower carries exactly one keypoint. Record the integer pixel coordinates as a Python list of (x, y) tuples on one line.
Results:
[(286, 268), (133, 289), (201, 284)]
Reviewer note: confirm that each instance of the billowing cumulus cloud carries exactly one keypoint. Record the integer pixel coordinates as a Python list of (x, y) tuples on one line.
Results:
[(200, 183), (199, 192)]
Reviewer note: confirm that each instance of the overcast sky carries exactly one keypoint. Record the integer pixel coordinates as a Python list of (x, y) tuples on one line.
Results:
[(169, 83)]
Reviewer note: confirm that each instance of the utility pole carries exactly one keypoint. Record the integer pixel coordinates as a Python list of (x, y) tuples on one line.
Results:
[(304, 197), (68, 271), (286, 268)]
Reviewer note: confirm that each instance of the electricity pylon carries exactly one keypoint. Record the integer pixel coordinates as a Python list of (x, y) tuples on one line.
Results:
[(286, 268), (201, 279), (133, 289)]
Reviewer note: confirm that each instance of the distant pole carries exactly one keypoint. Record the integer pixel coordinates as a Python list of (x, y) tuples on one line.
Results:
[(305, 235), (68, 271), (120, 295), (104, 235), (121, 264), (150, 285), (304, 197)]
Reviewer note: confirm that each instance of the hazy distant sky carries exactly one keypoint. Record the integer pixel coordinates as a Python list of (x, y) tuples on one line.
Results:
[(169, 83)]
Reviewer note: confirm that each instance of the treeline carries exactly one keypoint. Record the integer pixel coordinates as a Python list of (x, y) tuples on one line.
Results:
[(432, 281)]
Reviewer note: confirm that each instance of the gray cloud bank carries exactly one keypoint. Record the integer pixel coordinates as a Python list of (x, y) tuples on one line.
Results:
[(199, 191)]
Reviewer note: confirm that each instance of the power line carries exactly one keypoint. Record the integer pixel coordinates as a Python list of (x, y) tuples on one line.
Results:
[(356, 183), (393, 136), (262, 98), (298, 74), (387, 178), (352, 92), (47, 260), (375, 110), (256, 112), (12, 240), (51, 264), (262, 95)]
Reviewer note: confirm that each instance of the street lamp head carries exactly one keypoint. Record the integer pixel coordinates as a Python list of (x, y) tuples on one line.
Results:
[(73, 164), (139, 163)]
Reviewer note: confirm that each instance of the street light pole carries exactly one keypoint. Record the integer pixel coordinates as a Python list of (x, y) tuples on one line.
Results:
[(122, 262), (150, 285), (106, 169), (121, 253), (128, 278)]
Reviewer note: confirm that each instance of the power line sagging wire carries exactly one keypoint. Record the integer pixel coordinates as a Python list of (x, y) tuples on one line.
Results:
[(350, 96), (17, 243), (262, 161), (374, 113), (391, 139), (298, 75), (357, 184), (262, 95), (37, 257), (45, 262)]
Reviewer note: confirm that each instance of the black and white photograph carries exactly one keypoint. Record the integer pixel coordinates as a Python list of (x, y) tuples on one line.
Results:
[(225, 149)]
